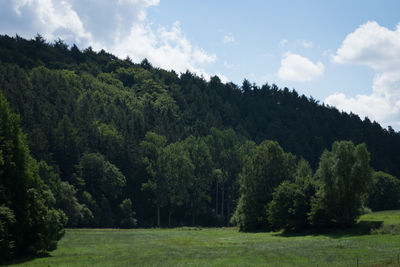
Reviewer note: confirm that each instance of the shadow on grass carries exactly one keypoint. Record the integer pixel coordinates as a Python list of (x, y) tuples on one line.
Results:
[(27, 259), (361, 228)]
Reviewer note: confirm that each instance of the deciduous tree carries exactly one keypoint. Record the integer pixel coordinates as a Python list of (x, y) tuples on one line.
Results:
[(346, 178), (263, 170)]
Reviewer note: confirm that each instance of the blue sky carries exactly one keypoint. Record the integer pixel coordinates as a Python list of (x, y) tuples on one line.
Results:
[(343, 53)]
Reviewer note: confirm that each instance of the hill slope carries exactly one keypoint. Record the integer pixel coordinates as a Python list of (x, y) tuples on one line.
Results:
[(74, 103)]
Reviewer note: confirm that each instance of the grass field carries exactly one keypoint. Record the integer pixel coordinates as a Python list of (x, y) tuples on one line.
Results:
[(222, 247), (387, 216)]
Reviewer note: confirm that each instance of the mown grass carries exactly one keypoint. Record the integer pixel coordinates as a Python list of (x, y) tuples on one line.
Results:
[(222, 247)]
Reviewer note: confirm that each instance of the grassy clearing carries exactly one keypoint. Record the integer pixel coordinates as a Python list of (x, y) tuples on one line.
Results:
[(222, 247), (389, 222), (388, 217)]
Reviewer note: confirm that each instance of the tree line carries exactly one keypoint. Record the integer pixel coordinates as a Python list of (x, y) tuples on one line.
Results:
[(278, 193), (114, 143)]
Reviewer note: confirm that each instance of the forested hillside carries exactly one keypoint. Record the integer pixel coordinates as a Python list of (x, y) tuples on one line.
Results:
[(125, 144)]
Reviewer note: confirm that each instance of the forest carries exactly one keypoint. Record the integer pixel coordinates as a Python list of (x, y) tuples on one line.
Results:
[(91, 140)]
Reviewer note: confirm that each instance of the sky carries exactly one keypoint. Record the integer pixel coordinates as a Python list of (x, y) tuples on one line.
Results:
[(343, 53)]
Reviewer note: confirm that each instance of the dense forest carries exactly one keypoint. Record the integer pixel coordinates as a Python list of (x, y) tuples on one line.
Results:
[(124, 144)]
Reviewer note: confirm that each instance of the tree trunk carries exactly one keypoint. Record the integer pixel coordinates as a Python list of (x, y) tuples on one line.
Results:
[(158, 216), (216, 199), (228, 210), (169, 218), (222, 199), (193, 214)]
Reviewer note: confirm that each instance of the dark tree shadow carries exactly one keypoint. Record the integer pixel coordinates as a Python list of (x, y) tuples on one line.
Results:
[(361, 228)]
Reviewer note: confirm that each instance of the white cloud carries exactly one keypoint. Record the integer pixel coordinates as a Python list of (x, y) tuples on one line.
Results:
[(120, 27), (229, 38), (223, 78), (299, 69), (371, 45), (54, 19), (167, 48), (305, 43), (379, 48), (373, 106), (283, 42)]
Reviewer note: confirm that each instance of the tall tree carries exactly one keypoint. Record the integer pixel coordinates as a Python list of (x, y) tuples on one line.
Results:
[(345, 175), (177, 171), (104, 183), (224, 147), (263, 170), (199, 185), (153, 146), (28, 220), (66, 146)]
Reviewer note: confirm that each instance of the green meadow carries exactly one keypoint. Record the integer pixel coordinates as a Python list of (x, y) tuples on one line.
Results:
[(388, 217), (224, 247)]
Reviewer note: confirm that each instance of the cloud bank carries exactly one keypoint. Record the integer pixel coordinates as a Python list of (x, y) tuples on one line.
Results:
[(377, 47), (120, 27)]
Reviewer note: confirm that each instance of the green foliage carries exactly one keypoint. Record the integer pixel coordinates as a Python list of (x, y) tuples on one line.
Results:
[(263, 170), (65, 195), (385, 193), (128, 216), (104, 183), (225, 151), (153, 146), (173, 178), (177, 171), (7, 220), (201, 179), (303, 169), (66, 145), (75, 103), (291, 201), (291, 204), (28, 220), (346, 178)]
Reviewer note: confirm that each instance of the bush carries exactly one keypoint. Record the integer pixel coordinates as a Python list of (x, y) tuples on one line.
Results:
[(291, 205), (385, 194), (128, 216)]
